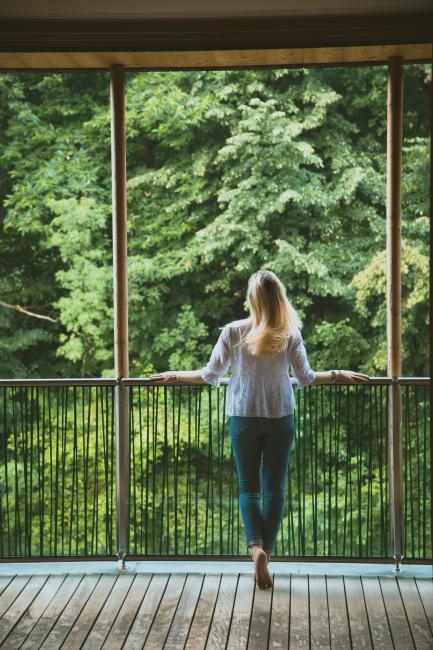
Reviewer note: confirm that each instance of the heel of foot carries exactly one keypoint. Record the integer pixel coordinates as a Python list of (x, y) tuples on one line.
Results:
[(263, 578)]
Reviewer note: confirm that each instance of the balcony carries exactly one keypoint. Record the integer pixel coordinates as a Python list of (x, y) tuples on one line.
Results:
[(187, 581)]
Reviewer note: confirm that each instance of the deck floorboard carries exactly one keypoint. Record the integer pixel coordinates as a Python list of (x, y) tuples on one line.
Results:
[(202, 611), (202, 620)]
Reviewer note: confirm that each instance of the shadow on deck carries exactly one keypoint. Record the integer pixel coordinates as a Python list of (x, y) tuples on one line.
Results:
[(174, 604)]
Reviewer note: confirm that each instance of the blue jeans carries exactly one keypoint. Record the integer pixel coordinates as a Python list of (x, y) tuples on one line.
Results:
[(254, 439)]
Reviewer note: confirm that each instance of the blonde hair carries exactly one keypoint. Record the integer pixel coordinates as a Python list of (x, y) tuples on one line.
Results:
[(273, 319)]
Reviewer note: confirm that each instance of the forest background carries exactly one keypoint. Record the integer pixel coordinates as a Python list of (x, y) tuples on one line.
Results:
[(228, 172)]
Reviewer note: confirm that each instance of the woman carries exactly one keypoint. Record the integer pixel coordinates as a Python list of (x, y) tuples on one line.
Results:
[(261, 405)]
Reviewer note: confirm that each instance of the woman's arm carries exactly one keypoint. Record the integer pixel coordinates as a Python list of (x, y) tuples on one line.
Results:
[(178, 377), (339, 377)]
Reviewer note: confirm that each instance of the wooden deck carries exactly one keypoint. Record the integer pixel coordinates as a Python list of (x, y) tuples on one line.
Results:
[(214, 610)]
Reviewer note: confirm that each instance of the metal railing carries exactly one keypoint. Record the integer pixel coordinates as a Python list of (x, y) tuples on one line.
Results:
[(58, 471)]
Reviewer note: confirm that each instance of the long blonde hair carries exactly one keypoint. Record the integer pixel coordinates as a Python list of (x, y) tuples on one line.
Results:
[(273, 319)]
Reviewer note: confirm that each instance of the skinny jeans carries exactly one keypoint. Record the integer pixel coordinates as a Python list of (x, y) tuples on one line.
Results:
[(262, 447)]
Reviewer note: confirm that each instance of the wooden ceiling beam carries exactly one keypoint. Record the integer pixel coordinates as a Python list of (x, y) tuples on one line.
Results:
[(199, 34), (214, 60)]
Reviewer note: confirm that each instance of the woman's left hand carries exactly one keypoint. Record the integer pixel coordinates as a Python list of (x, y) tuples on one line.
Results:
[(351, 377), (167, 377)]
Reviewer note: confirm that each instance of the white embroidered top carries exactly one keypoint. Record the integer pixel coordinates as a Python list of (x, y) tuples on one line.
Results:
[(259, 386)]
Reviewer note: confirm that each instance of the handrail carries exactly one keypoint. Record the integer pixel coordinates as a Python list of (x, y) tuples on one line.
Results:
[(82, 381), (144, 381)]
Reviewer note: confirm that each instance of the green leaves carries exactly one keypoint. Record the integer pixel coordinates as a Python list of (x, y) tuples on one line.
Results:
[(228, 171)]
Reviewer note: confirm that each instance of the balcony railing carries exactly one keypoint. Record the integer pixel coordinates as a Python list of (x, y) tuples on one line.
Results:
[(58, 474)]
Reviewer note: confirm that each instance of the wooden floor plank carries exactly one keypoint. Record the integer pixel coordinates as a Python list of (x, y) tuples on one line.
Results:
[(319, 616), (240, 625), (184, 613), (279, 627), (49, 617), (260, 619), (299, 632), (397, 620), (33, 613), (220, 626), (125, 618), (12, 592), (338, 621), (4, 581), (145, 615), (71, 612), (358, 620), (89, 613), (418, 623), (379, 628), (166, 610), (201, 622), (108, 613), (425, 589), (11, 617)]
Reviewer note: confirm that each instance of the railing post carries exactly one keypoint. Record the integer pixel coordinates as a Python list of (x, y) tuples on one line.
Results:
[(393, 251), (120, 288)]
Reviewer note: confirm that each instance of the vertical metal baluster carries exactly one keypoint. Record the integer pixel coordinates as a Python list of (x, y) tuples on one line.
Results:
[(187, 541), (418, 503), (64, 452), (86, 442), (154, 466), (338, 409), (141, 474), (348, 474), (29, 476), (74, 451), (327, 456), (381, 432), (407, 468), (58, 391), (360, 463), (176, 473), (312, 440), (132, 473), (298, 478), (101, 465), (323, 464), (95, 475), (426, 473), (220, 470), (208, 475), (41, 473), (369, 532), (6, 473), (197, 460), (146, 521), (230, 527)]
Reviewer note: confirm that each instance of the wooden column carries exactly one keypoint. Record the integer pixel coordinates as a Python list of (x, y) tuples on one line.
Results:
[(393, 300), (120, 284)]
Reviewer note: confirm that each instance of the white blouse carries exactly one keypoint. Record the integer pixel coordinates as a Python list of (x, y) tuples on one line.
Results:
[(259, 386)]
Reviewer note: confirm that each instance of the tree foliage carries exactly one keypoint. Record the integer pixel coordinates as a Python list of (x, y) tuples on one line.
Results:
[(228, 171)]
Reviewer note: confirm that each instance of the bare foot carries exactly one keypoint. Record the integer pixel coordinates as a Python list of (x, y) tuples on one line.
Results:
[(260, 559)]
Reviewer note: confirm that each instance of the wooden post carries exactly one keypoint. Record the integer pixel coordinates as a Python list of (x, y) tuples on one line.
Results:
[(393, 300), (120, 284)]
